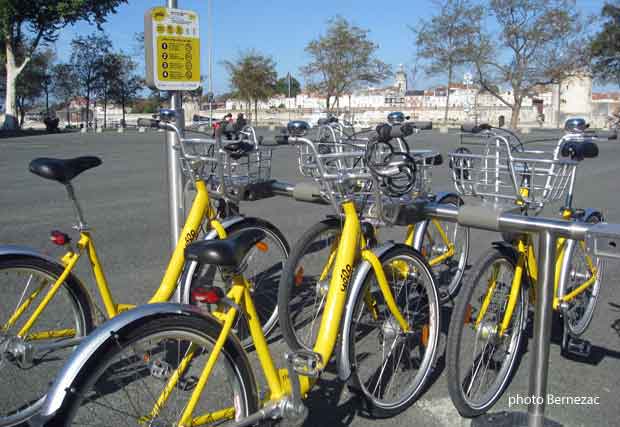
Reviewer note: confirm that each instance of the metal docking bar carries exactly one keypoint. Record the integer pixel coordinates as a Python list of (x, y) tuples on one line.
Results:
[(498, 220), (602, 239)]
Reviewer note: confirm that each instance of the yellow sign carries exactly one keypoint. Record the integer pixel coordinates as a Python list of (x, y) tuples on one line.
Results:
[(179, 58), (172, 47)]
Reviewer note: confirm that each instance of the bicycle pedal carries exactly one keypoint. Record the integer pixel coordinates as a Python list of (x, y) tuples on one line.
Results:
[(577, 348), (306, 363), (160, 369)]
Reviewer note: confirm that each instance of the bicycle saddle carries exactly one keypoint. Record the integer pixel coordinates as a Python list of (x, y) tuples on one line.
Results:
[(62, 170), (228, 252), (238, 149)]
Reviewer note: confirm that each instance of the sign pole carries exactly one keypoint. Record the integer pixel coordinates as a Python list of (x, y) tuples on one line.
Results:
[(175, 177)]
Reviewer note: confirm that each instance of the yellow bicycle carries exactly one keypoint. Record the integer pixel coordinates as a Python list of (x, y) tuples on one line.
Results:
[(487, 327), (46, 310), (168, 364), (305, 277)]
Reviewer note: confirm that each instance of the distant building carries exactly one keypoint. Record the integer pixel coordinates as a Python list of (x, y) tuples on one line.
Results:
[(544, 105)]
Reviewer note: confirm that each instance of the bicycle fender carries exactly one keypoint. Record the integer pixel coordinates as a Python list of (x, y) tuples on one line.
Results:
[(25, 250), (361, 271), (8, 250), (97, 339), (188, 271)]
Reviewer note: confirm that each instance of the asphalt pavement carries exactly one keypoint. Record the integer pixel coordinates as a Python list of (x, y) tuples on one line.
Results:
[(125, 202)]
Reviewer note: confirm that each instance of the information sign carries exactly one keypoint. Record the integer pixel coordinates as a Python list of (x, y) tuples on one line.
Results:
[(172, 49)]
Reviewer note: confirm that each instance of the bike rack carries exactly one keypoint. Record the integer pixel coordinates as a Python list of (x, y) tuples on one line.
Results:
[(602, 240)]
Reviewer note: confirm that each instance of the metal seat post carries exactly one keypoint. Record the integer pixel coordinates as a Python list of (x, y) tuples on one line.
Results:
[(81, 225)]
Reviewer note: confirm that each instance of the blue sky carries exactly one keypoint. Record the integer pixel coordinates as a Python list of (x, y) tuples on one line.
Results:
[(280, 28)]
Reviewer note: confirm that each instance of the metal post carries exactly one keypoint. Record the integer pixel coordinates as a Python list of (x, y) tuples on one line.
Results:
[(175, 177), (542, 329), (210, 41)]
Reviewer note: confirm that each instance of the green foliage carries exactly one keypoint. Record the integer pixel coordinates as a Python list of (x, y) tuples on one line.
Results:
[(282, 86), (32, 81), (342, 59), (252, 76), (44, 18), (24, 24), (605, 48)]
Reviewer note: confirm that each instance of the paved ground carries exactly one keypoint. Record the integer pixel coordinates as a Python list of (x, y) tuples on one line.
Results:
[(125, 202)]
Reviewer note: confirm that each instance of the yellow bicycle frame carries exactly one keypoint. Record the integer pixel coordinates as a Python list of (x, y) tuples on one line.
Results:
[(278, 382), (527, 264), (201, 207)]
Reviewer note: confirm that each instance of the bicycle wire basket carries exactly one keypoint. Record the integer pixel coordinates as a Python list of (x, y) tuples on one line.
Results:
[(230, 168), (342, 174), (498, 174)]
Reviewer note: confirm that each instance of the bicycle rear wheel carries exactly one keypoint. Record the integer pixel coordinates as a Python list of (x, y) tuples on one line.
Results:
[(391, 366), (122, 382), (26, 367), (480, 362)]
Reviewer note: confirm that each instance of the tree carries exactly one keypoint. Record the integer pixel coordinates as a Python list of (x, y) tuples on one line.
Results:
[(341, 60), (31, 83), (442, 41), (87, 55), (24, 25), (126, 85), (530, 43), (282, 86), (63, 85), (110, 66), (605, 48), (252, 77)]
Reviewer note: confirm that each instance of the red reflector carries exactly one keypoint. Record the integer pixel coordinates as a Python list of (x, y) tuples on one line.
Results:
[(59, 238), (207, 295), (299, 276)]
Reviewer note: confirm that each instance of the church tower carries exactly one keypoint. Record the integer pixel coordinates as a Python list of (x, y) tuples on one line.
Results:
[(401, 80)]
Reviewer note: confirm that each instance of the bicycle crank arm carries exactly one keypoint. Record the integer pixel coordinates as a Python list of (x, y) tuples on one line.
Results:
[(271, 412)]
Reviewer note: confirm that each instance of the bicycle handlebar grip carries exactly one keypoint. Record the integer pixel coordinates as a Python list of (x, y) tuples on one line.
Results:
[(307, 192), (150, 123)]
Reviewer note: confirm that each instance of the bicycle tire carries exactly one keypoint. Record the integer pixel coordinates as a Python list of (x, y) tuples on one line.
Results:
[(577, 321), (22, 395), (90, 386), (447, 274), (419, 304), (264, 291), (297, 285), (456, 351)]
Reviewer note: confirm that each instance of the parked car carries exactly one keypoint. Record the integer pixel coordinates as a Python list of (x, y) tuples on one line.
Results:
[(201, 120)]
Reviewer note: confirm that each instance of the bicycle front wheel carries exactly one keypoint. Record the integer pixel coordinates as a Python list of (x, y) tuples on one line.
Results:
[(579, 267), (445, 245), (123, 383), (393, 366), (29, 363), (305, 281), (480, 358)]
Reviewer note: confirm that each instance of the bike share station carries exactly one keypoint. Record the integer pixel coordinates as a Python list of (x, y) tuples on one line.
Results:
[(172, 47)]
